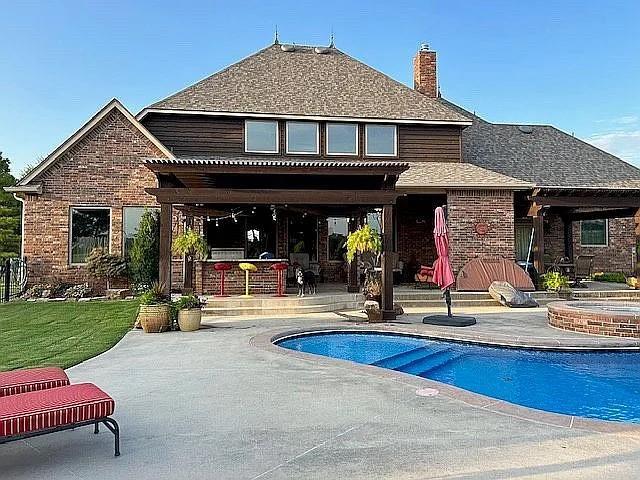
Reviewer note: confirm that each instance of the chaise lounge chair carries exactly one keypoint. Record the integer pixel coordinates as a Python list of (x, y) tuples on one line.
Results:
[(39, 401)]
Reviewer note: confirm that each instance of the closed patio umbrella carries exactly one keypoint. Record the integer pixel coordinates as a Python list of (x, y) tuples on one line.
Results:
[(443, 274)]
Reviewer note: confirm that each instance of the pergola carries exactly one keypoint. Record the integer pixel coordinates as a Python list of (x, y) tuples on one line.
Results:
[(575, 204), (201, 185)]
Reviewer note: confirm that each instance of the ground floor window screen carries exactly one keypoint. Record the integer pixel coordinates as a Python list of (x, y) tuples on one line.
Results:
[(338, 229), (131, 217), (90, 228), (593, 232)]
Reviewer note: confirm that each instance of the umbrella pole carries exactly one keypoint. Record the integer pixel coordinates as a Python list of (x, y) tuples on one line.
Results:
[(447, 298)]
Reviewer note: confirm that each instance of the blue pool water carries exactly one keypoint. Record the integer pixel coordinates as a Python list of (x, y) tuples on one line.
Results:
[(603, 385)]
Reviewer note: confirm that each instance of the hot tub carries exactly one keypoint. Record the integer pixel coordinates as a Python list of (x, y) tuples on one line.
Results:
[(617, 319)]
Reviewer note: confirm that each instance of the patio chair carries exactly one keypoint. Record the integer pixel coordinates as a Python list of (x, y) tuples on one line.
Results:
[(30, 414), (424, 277), (583, 266)]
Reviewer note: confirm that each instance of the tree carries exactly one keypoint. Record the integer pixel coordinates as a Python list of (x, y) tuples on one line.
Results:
[(102, 264), (144, 254), (10, 210)]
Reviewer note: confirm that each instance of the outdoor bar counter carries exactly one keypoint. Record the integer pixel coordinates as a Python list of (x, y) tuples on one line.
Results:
[(263, 281)]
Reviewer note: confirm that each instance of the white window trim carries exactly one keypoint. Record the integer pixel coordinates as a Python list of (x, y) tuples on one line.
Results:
[(87, 207), (606, 236), (395, 141), (286, 141), (342, 154), (246, 148)]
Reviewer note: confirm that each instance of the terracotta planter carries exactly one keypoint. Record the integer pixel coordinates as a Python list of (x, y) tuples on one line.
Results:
[(155, 318), (189, 319)]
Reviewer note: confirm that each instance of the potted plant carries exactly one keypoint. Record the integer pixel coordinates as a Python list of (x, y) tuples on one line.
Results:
[(189, 313), (154, 314), (190, 245), (366, 242), (556, 282)]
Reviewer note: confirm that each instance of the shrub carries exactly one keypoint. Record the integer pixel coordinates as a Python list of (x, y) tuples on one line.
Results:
[(144, 254), (78, 291), (554, 281), (155, 296), (188, 301), (102, 264), (614, 277)]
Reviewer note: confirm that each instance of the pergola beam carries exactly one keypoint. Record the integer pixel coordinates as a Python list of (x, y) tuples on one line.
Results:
[(587, 201), (273, 196)]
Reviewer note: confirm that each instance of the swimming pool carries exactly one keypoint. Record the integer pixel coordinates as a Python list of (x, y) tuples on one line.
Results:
[(604, 385)]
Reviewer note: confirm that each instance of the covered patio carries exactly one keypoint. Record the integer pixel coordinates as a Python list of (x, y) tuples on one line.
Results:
[(214, 195), (573, 205)]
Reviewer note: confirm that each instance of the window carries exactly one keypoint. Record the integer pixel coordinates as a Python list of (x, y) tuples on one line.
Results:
[(131, 217), (594, 233), (380, 140), (90, 228), (261, 136), (338, 229), (374, 220), (302, 137), (342, 139)]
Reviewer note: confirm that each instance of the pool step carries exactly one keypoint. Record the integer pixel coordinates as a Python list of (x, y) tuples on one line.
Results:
[(403, 358), (427, 362), (440, 364)]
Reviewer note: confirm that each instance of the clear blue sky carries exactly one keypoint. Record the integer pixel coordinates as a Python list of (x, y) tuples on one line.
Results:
[(573, 64)]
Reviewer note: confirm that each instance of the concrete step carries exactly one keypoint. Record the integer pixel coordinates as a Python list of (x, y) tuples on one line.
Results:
[(267, 311)]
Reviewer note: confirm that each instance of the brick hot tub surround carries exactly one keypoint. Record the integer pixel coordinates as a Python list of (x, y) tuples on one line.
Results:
[(616, 319)]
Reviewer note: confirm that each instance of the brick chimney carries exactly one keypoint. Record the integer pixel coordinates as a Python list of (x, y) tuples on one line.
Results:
[(425, 79)]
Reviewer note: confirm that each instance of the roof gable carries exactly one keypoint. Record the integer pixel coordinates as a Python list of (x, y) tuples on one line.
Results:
[(303, 82), (82, 132)]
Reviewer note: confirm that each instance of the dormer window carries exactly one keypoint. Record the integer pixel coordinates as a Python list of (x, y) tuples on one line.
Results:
[(342, 139), (302, 138), (380, 140), (261, 136)]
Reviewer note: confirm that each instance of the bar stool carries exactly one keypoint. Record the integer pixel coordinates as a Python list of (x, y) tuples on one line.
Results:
[(247, 267), (280, 268), (222, 267)]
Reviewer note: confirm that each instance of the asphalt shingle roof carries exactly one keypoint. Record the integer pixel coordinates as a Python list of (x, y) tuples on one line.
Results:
[(449, 175), (546, 157), (303, 82)]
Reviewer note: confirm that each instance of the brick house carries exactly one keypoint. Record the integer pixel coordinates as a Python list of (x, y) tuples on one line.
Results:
[(288, 149)]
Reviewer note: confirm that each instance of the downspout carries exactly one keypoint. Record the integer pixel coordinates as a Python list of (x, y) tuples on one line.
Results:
[(21, 200)]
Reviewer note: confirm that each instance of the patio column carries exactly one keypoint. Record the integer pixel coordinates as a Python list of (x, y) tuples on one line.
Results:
[(568, 237), (187, 269), (388, 313), (536, 212), (164, 271)]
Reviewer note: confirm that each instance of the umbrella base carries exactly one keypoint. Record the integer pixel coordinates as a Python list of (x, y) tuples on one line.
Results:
[(453, 321)]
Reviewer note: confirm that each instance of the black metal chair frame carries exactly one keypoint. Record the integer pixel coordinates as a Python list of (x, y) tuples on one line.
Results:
[(109, 422)]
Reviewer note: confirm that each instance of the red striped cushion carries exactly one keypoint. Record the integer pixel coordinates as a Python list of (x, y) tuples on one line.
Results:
[(55, 407), (30, 380)]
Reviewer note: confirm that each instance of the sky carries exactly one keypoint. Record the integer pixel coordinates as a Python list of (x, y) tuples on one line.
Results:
[(571, 64)]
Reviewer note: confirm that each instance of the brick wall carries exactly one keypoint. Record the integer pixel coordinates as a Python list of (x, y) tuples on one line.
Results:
[(103, 169), (615, 257), (468, 208), (263, 281)]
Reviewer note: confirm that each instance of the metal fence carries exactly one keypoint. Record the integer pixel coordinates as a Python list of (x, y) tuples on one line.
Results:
[(13, 278)]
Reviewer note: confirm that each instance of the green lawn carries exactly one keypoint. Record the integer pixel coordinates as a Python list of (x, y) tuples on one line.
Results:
[(64, 334)]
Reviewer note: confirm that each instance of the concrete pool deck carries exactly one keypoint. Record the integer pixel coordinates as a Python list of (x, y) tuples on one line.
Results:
[(210, 404)]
